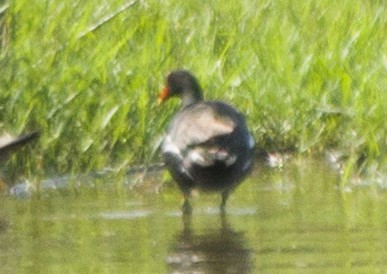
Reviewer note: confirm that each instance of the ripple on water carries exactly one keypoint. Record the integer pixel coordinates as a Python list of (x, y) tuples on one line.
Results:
[(121, 215)]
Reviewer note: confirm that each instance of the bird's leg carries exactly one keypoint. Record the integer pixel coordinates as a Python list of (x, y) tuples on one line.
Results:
[(186, 208), (225, 195)]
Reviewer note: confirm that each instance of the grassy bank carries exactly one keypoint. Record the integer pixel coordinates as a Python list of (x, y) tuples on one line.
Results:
[(309, 75)]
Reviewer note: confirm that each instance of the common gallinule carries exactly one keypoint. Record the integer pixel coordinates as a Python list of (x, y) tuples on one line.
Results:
[(9, 143), (207, 146)]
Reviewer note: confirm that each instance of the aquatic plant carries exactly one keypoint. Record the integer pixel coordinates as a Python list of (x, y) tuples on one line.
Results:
[(309, 77)]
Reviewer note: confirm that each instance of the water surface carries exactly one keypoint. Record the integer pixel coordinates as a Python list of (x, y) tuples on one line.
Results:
[(290, 220)]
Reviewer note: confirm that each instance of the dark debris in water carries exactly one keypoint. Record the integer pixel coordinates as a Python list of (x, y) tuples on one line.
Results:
[(138, 177)]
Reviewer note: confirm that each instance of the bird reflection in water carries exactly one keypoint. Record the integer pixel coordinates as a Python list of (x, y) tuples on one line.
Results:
[(3, 224), (213, 251)]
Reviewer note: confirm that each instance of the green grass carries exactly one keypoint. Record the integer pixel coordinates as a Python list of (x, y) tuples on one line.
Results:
[(309, 75)]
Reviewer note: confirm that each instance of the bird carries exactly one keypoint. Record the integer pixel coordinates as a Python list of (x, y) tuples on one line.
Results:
[(207, 146), (9, 144)]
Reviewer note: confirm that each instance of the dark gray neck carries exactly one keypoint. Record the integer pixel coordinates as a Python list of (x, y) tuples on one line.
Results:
[(190, 97)]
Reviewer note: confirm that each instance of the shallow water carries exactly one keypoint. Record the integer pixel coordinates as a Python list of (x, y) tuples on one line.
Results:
[(290, 220)]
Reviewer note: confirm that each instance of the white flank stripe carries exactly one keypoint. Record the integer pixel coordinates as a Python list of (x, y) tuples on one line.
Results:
[(196, 157), (170, 147), (251, 141)]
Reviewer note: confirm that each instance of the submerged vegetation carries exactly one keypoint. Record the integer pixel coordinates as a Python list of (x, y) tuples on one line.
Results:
[(310, 76)]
